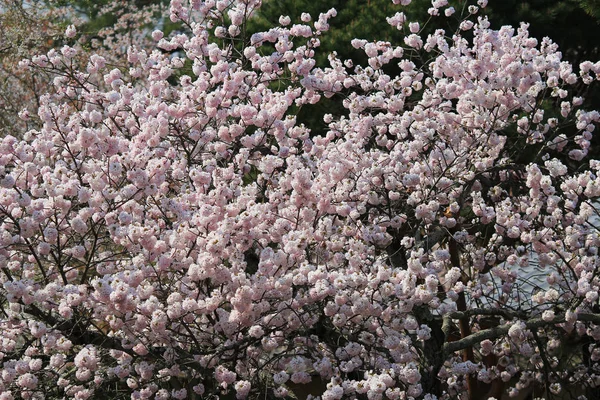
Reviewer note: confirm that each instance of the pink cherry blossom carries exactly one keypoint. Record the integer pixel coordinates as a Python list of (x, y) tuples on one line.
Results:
[(170, 226)]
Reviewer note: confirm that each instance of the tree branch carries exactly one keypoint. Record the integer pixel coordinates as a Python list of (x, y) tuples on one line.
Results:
[(494, 333)]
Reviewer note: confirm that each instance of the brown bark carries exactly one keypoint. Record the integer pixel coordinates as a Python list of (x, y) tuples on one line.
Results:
[(463, 323)]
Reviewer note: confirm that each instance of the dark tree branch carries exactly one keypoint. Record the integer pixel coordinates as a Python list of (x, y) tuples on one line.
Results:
[(496, 332)]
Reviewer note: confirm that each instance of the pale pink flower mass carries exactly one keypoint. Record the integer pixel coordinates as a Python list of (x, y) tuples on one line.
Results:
[(170, 227)]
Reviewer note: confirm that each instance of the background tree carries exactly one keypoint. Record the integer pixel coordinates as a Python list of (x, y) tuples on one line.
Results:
[(34, 27), (17, 40)]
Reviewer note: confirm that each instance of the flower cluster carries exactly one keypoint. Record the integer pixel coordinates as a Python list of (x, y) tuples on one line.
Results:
[(173, 230)]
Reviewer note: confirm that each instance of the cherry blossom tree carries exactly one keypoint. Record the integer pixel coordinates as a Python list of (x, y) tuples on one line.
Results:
[(171, 231)]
